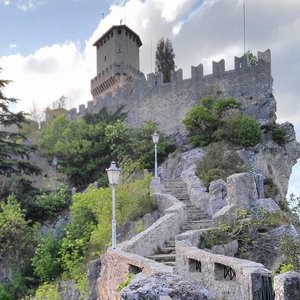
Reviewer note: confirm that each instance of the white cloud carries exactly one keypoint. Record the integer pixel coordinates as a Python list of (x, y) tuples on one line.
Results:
[(46, 75), (12, 46), (24, 5)]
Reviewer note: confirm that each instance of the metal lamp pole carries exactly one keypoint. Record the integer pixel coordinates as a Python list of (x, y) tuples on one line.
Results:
[(155, 138), (113, 174)]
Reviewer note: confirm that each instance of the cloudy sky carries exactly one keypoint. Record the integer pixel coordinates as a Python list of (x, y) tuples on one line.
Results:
[(46, 45)]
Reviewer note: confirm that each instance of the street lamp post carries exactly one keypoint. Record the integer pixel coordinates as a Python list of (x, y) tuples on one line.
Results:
[(113, 174), (155, 138)]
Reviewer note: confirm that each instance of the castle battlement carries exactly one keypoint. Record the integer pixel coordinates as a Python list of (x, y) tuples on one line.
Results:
[(146, 98)]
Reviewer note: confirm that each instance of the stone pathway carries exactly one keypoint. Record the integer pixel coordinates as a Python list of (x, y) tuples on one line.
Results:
[(196, 219)]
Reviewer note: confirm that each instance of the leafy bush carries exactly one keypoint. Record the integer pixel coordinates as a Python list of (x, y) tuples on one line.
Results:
[(16, 235), (126, 282), (242, 130), (251, 58), (51, 203), (247, 228), (48, 292), (221, 105), (201, 124), (290, 248), (205, 125), (219, 163), (46, 261), (89, 233), (15, 288), (278, 134)]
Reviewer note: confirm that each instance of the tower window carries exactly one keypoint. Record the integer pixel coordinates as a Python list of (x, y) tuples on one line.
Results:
[(126, 32), (112, 34), (134, 39), (119, 31), (130, 35)]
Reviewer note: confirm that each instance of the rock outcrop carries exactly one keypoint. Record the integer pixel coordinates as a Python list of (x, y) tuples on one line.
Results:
[(164, 284)]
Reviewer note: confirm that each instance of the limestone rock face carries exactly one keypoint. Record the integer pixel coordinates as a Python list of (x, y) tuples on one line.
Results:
[(69, 290), (217, 195), (163, 284), (274, 161), (93, 273), (287, 286)]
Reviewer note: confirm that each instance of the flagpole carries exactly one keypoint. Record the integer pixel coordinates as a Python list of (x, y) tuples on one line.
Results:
[(244, 13)]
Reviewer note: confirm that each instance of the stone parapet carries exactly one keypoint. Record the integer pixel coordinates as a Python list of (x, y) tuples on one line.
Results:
[(117, 264), (226, 277), (164, 229)]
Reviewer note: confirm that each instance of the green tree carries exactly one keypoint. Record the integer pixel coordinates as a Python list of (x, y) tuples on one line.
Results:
[(14, 155), (86, 149), (201, 124), (165, 59), (46, 261)]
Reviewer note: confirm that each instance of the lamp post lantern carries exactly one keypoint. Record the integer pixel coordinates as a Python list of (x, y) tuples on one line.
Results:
[(155, 138), (113, 174)]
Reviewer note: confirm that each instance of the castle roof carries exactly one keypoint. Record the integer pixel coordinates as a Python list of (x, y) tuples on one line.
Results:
[(139, 42)]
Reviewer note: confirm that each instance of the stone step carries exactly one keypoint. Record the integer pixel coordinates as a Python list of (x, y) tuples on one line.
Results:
[(163, 257), (167, 250), (170, 243), (195, 226), (170, 263)]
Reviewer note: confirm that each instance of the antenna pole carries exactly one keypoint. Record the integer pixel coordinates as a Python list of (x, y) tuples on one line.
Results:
[(124, 12), (151, 56), (244, 12)]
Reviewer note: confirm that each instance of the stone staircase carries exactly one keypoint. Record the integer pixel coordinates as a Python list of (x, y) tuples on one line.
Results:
[(178, 189), (196, 219), (166, 254)]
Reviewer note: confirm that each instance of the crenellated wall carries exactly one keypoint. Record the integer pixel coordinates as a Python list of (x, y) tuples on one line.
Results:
[(167, 103)]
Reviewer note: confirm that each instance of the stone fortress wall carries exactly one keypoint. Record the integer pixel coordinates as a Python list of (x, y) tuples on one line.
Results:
[(167, 103)]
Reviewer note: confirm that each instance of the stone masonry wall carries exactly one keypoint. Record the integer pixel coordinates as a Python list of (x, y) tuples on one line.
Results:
[(146, 242), (167, 103), (226, 277)]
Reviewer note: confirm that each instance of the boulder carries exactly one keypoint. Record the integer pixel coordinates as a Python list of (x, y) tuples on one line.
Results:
[(164, 284), (268, 204), (217, 195), (242, 190), (287, 286)]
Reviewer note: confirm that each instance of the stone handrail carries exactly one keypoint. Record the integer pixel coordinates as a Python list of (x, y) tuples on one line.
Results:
[(117, 265), (147, 242), (226, 277)]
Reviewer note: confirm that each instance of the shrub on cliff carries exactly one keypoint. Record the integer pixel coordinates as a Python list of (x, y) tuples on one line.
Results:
[(201, 124), (241, 130), (205, 124), (219, 163), (278, 134)]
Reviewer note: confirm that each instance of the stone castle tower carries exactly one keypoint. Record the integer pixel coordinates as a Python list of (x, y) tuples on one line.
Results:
[(117, 60)]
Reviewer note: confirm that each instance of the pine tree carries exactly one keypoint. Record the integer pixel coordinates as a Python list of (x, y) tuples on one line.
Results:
[(14, 153), (165, 59)]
